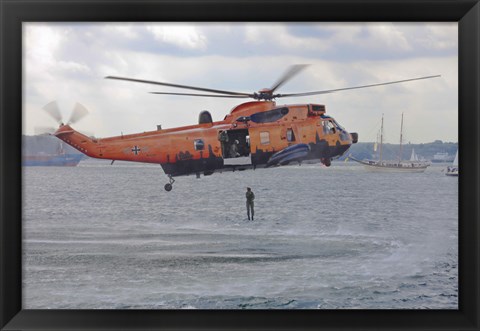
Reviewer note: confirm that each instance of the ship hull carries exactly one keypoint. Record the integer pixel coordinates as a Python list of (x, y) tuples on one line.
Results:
[(65, 160), (452, 173), (399, 167)]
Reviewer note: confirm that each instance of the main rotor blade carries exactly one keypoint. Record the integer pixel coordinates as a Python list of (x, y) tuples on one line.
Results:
[(205, 95), (79, 112), (53, 110), (292, 71), (177, 85), (351, 88)]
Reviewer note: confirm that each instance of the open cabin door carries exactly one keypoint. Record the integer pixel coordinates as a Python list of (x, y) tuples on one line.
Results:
[(235, 147)]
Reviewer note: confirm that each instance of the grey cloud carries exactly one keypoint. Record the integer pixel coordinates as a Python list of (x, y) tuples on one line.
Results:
[(232, 41)]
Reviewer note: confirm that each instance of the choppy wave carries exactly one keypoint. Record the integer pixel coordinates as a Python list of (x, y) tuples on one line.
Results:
[(323, 238)]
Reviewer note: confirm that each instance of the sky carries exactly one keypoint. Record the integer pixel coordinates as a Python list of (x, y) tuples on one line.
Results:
[(68, 62)]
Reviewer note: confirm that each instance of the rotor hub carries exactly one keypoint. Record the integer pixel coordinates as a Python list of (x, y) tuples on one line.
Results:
[(264, 94)]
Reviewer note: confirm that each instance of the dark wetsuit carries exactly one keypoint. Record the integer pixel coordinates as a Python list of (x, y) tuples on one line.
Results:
[(250, 197)]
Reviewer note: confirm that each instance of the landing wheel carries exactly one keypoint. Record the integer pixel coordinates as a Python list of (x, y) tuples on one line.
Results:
[(327, 162), (169, 186)]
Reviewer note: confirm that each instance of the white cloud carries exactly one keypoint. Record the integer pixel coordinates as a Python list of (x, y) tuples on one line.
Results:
[(124, 30), (41, 43), (184, 36), (441, 38), (388, 36), (73, 66), (278, 35)]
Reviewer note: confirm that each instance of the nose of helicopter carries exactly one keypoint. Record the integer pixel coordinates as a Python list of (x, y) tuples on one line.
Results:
[(354, 136)]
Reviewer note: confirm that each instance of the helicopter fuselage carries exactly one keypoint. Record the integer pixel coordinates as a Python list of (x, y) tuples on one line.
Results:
[(250, 136)]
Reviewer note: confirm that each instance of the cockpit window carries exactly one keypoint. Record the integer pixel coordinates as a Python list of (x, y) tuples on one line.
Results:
[(328, 127), (338, 125)]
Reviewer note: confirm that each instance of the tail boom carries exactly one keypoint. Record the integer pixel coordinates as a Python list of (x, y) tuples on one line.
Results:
[(77, 140), (135, 149)]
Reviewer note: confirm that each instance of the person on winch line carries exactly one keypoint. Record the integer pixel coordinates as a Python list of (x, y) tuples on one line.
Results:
[(250, 197), (234, 149)]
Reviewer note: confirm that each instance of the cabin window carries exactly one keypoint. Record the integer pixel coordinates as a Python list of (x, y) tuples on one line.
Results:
[(290, 135), (198, 144), (265, 138)]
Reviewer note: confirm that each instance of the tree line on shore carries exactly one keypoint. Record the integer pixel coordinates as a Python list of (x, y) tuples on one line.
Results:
[(365, 150)]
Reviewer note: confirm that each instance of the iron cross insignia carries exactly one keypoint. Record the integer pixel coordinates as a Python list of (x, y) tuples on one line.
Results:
[(136, 150)]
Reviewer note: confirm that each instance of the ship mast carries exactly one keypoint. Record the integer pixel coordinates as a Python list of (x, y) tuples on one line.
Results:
[(381, 140), (401, 139)]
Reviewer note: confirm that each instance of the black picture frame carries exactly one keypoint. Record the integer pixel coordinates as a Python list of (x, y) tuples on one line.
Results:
[(14, 12)]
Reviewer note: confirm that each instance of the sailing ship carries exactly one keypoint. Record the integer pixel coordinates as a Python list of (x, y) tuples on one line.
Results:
[(413, 165), (453, 169)]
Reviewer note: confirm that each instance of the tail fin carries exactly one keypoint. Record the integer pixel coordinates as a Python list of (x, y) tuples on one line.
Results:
[(77, 140)]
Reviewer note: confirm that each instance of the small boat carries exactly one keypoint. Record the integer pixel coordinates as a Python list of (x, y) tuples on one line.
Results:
[(453, 169), (413, 165)]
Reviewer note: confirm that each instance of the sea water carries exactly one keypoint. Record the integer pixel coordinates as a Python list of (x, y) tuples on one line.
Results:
[(110, 237)]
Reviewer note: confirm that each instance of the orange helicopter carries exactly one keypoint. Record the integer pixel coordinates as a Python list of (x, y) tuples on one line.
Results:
[(255, 134)]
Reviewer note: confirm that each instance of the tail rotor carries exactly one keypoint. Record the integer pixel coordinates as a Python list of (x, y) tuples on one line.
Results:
[(79, 112), (53, 110)]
